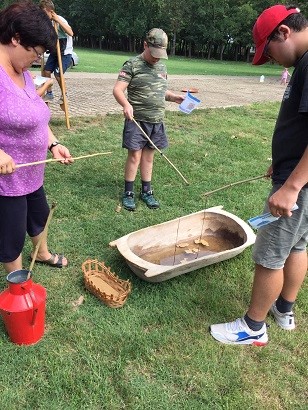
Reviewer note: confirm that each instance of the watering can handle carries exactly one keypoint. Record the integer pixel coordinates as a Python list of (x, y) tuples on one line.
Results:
[(35, 307)]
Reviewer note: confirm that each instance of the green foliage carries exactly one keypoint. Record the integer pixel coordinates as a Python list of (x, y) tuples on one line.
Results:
[(155, 352), (110, 62), (204, 28), (200, 28)]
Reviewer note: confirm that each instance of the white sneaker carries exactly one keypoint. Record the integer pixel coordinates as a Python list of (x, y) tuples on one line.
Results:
[(284, 320), (238, 333)]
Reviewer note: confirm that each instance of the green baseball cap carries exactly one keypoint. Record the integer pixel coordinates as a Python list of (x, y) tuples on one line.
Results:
[(157, 40)]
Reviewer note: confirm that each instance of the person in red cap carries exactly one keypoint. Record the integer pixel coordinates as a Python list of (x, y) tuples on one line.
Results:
[(281, 34)]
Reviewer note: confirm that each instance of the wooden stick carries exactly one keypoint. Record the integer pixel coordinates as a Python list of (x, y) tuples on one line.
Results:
[(62, 81), (235, 183), (44, 161), (43, 235), (42, 64), (161, 153)]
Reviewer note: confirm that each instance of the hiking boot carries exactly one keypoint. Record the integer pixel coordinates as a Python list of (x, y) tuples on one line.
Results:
[(48, 96), (284, 320), (128, 201), (149, 199), (238, 333)]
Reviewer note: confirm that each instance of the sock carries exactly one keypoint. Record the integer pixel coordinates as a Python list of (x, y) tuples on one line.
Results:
[(146, 186), (129, 186), (253, 324), (283, 306)]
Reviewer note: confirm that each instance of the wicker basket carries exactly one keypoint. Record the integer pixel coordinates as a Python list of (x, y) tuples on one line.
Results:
[(104, 284)]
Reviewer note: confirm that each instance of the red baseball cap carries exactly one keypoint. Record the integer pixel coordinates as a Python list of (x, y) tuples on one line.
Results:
[(266, 23)]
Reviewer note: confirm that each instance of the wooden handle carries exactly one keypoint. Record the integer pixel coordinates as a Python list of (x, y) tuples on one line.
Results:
[(60, 159), (62, 81), (235, 183), (161, 153)]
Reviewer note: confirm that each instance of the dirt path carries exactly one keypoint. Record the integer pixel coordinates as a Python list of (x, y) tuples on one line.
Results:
[(91, 93)]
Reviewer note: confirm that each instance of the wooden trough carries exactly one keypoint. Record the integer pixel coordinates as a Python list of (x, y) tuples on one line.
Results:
[(169, 249)]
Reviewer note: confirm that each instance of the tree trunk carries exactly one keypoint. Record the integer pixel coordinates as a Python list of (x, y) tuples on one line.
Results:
[(130, 44), (173, 44), (189, 49), (209, 50), (247, 54), (222, 48)]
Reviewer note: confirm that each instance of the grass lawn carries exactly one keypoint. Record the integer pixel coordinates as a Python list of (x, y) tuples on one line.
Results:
[(98, 61), (155, 353)]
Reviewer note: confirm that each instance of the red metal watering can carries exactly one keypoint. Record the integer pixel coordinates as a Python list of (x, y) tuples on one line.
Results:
[(22, 307), (23, 304)]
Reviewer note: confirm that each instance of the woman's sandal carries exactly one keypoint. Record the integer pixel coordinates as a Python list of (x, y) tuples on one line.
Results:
[(51, 261)]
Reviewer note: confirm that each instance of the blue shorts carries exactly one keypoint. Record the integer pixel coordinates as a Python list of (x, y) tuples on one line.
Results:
[(278, 239), (52, 64), (20, 215), (134, 140)]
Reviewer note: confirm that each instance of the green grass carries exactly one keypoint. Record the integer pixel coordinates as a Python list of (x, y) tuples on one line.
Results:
[(154, 353), (98, 61)]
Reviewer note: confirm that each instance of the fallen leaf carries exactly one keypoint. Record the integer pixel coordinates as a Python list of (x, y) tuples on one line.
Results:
[(182, 245), (118, 208), (189, 251), (78, 302), (183, 260), (202, 241)]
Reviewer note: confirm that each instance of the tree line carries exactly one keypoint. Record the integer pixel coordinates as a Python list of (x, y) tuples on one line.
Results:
[(211, 29)]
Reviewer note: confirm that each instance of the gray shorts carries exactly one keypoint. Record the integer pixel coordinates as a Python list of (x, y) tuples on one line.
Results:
[(278, 239), (134, 140)]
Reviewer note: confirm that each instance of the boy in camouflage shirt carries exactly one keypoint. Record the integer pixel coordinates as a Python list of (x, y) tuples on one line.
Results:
[(144, 77)]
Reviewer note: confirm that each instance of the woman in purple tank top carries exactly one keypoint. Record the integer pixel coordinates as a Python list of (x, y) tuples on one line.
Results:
[(26, 33)]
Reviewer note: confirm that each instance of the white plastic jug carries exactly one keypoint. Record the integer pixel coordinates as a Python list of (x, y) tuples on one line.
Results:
[(262, 78), (189, 104)]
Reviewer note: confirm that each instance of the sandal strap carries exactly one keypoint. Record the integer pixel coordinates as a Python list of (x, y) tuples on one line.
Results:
[(53, 257)]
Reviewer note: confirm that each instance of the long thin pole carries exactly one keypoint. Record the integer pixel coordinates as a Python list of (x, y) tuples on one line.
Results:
[(161, 153), (60, 159), (62, 81), (43, 235), (235, 183)]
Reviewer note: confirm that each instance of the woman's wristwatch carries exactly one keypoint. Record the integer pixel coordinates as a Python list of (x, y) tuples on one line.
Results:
[(53, 144)]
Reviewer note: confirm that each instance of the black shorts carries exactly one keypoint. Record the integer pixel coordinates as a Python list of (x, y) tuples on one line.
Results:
[(20, 215), (52, 64), (134, 140)]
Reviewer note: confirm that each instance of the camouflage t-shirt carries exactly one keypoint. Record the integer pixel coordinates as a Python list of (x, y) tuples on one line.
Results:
[(146, 89)]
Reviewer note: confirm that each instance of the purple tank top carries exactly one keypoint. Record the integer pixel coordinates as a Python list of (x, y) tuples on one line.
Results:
[(24, 121)]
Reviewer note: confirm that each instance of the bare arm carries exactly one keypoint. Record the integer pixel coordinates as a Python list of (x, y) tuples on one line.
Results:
[(59, 150), (283, 200), (119, 94), (41, 90), (66, 27), (170, 96)]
